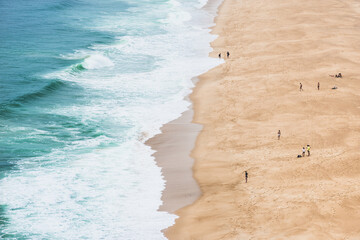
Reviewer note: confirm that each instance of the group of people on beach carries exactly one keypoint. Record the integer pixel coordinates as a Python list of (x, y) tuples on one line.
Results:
[(303, 149), (339, 75), (308, 148), (301, 87), (227, 55)]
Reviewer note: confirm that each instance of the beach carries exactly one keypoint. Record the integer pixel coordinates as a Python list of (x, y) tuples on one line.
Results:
[(241, 104), (118, 120)]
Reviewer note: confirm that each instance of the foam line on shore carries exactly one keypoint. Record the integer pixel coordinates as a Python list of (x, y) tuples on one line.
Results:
[(173, 147)]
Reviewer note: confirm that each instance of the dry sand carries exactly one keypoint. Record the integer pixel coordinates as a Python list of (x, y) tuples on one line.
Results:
[(274, 46)]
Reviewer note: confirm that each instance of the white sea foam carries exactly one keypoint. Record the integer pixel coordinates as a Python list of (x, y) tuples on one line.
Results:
[(97, 195), (202, 3), (97, 61), (109, 187)]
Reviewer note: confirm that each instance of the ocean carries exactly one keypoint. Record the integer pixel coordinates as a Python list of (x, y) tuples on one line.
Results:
[(83, 85)]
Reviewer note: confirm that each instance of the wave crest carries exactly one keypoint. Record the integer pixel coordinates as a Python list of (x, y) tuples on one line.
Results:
[(97, 61), (46, 90)]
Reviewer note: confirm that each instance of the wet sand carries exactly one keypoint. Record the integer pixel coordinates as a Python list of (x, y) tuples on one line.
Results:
[(243, 103), (173, 147)]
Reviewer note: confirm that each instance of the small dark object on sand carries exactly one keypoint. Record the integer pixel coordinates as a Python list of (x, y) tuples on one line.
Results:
[(338, 75)]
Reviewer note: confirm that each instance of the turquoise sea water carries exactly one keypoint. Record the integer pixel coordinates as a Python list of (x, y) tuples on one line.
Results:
[(83, 84)]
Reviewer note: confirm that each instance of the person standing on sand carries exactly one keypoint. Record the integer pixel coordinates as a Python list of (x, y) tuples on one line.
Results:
[(279, 134), (227, 54), (246, 176), (303, 152), (219, 55), (301, 89), (318, 86), (308, 150)]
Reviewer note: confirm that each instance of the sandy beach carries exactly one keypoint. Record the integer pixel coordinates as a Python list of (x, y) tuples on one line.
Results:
[(242, 104)]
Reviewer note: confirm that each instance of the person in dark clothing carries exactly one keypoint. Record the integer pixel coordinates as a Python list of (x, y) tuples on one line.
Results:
[(219, 55), (301, 89), (227, 54), (338, 75), (246, 176), (318, 86)]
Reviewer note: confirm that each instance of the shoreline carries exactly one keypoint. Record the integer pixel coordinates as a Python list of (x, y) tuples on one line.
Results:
[(244, 102), (173, 148)]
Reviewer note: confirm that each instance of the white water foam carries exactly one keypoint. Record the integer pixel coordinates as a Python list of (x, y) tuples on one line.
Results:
[(87, 197), (97, 61), (202, 3)]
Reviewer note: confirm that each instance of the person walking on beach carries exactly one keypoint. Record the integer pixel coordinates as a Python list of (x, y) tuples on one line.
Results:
[(303, 152), (308, 150), (318, 85), (301, 89), (227, 54), (279, 134), (219, 55), (246, 176)]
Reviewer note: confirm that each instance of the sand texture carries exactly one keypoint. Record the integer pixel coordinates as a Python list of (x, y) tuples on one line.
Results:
[(275, 45)]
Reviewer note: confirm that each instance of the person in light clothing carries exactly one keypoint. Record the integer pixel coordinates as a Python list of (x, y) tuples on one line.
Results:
[(308, 150), (303, 152)]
